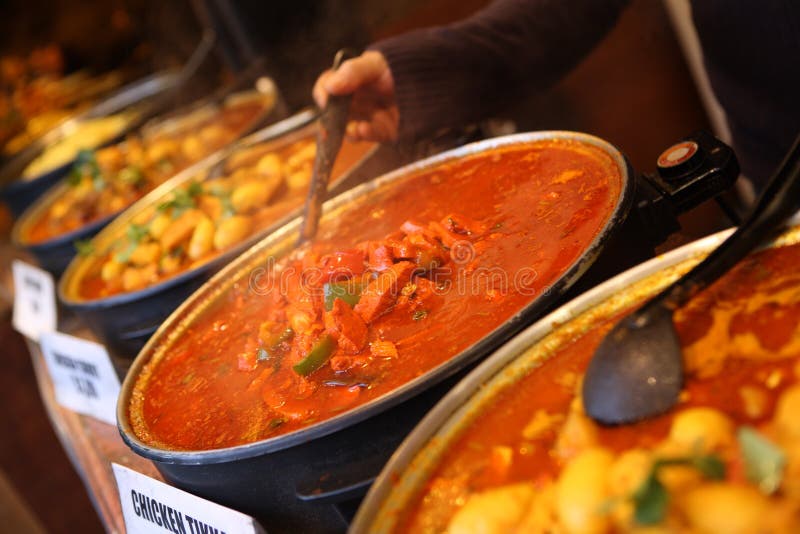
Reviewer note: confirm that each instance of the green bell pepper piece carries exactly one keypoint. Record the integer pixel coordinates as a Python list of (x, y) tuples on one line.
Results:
[(320, 353)]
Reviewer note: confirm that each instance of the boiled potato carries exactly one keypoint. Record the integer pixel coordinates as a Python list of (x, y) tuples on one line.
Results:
[(629, 471), (496, 510), (202, 239), (169, 264), (270, 165), (134, 278), (110, 157), (158, 225), (787, 413), (116, 203), (728, 508), (145, 253), (577, 434), (192, 147), (303, 156), (180, 229), (110, 270), (162, 148), (701, 429), (134, 151), (253, 194), (299, 179), (231, 231), (541, 515), (581, 490), (211, 206), (213, 135), (60, 208)]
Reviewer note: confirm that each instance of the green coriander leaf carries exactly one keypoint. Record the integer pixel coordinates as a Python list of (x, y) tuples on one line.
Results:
[(764, 461), (712, 467), (85, 157), (86, 165), (650, 501), (181, 201), (84, 247), (652, 498), (195, 189), (74, 177), (124, 255), (131, 175), (136, 232)]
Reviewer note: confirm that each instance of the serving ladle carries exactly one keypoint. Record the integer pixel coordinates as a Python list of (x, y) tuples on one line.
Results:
[(637, 370), (330, 134)]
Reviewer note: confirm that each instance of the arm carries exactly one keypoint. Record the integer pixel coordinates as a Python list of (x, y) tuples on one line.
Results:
[(461, 73), (414, 84)]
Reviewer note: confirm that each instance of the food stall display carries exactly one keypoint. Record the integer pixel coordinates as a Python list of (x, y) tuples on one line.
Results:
[(129, 278), (29, 173), (344, 343), (105, 181), (86, 136), (202, 219), (39, 96), (417, 364)]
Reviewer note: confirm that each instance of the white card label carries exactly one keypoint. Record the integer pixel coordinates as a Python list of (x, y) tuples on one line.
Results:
[(34, 300), (83, 376), (151, 506)]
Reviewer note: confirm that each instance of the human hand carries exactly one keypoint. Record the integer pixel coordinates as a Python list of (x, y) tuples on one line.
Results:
[(373, 111)]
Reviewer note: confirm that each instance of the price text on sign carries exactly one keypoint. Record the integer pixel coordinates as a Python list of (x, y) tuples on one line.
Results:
[(83, 377), (34, 300), (152, 506)]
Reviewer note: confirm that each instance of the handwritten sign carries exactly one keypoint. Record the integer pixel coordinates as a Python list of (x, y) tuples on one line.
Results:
[(151, 506), (83, 377), (34, 300)]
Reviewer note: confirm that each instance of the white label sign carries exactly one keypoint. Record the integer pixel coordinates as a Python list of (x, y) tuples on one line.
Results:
[(151, 506), (34, 300), (83, 377)]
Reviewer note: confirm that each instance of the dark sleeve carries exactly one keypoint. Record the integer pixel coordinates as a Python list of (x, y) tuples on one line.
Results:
[(456, 74)]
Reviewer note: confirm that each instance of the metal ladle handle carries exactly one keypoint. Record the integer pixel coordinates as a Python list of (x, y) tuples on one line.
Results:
[(330, 135)]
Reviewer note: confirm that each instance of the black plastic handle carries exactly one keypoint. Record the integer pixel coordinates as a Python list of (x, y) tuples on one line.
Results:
[(778, 202), (698, 168)]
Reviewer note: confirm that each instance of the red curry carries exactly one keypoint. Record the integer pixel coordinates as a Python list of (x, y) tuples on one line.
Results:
[(741, 346), (393, 287)]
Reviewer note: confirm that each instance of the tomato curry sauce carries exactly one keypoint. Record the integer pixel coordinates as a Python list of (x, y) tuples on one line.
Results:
[(395, 284)]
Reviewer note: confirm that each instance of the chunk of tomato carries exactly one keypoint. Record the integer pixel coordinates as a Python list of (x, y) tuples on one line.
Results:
[(342, 265)]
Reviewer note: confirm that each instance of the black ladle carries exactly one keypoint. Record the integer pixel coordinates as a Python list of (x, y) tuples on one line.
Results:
[(637, 371), (330, 134)]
